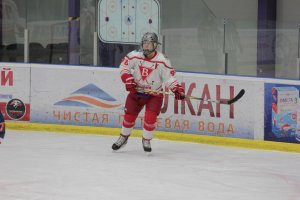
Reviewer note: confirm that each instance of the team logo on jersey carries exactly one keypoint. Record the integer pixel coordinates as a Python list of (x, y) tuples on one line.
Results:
[(145, 72)]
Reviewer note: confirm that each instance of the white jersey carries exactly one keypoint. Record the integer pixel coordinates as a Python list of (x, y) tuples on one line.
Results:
[(150, 74)]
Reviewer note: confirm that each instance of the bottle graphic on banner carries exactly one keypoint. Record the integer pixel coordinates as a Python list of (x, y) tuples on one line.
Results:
[(297, 134), (284, 112)]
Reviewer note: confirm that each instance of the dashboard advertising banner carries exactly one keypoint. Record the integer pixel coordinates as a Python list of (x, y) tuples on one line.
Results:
[(282, 113), (77, 95), (15, 91), (96, 97), (209, 117)]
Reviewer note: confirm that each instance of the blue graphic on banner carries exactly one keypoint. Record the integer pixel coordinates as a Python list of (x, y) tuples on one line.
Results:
[(88, 96), (282, 113)]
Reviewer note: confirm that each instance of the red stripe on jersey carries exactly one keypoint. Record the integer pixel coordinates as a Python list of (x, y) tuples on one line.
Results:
[(125, 71), (172, 85), (149, 60)]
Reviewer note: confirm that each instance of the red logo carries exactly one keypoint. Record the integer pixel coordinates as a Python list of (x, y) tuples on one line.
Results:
[(15, 109), (145, 72)]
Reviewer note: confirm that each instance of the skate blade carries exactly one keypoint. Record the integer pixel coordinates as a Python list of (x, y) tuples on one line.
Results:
[(119, 148)]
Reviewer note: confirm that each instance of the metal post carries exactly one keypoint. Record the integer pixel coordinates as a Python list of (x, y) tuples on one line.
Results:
[(163, 48), (224, 47), (95, 49), (26, 46)]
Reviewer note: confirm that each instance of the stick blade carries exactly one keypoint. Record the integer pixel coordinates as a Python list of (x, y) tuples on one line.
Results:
[(237, 97)]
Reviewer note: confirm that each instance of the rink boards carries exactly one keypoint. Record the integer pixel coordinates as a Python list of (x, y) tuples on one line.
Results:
[(95, 97)]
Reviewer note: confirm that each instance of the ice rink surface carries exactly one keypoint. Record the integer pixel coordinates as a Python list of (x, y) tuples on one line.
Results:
[(56, 166)]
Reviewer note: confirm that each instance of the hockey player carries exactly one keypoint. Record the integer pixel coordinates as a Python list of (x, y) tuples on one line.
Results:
[(140, 70), (2, 127)]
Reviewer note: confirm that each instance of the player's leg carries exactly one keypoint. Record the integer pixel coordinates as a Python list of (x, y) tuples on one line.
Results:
[(2, 127), (127, 126), (153, 108), (132, 109)]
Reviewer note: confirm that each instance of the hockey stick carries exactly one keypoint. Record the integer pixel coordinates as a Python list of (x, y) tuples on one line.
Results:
[(230, 101)]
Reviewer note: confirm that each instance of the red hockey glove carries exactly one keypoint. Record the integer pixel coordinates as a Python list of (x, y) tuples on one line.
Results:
[(178, 92), (130, 85)]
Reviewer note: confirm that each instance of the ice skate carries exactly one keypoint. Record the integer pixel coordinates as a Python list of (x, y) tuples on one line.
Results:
[(120, 143), (146, 145)]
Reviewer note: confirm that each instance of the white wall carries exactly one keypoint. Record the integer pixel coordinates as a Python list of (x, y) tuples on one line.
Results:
[(234, 9), (288, 10)]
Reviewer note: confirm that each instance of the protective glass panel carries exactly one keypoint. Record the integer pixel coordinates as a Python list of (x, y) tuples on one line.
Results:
[(48, 31), (13, 23)]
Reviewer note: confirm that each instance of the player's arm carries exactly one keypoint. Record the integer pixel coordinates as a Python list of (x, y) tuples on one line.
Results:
[(171, 82), (127, 78)]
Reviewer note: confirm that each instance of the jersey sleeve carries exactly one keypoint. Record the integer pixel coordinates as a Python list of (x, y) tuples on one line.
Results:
[(126, 66), (168, 75)]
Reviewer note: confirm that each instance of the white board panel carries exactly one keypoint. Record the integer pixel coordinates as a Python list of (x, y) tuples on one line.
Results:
[(125, 21), (15, 91)]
